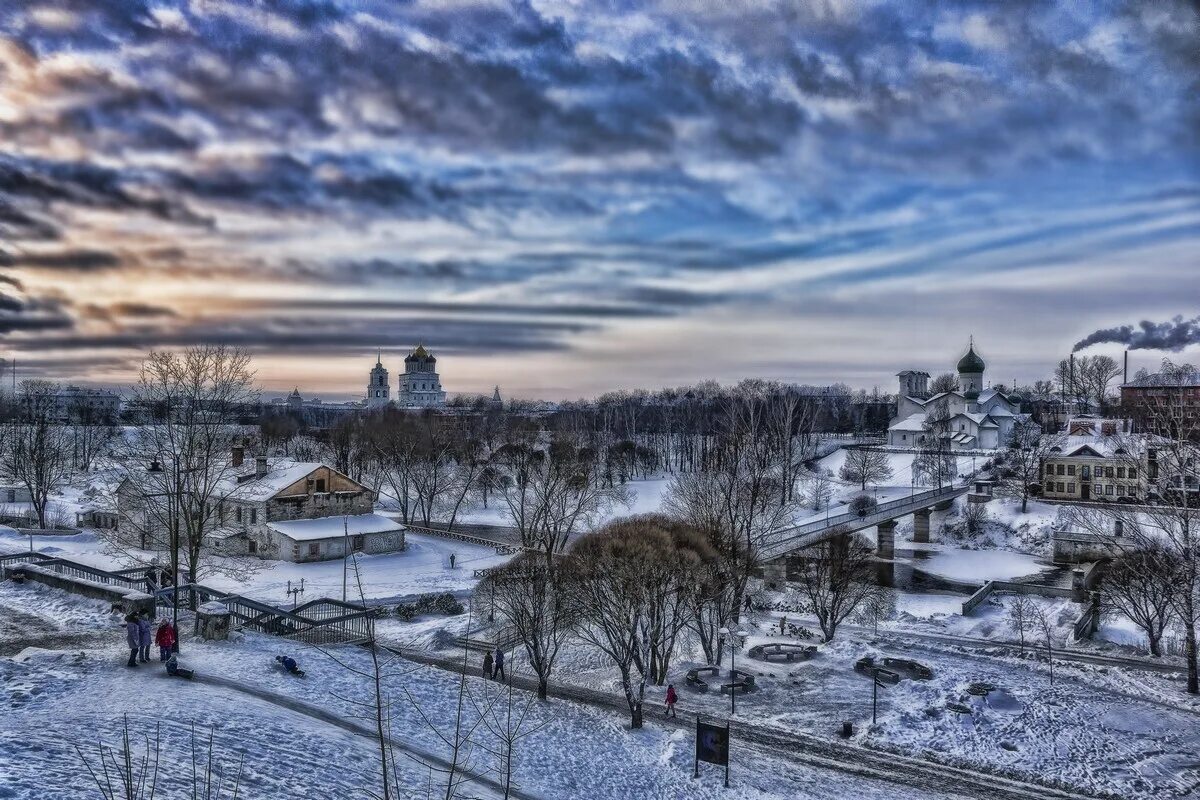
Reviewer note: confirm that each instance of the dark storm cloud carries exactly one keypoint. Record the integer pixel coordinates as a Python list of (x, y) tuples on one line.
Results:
[(64, 260), (316, 337), (598, 160), (31, 315)]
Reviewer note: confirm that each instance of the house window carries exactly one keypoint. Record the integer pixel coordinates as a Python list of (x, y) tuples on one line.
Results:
[(314, 549), (1062, 487), (1049, 486), (1120, 490), (1133, 472), (1087, 471), (1070, 469), (320, 484), (253, 516), (1062, 469), (358, 543), (12, 495), (1108, 489), (238, 513), (1070, 488), (904, 437), (252, 547), (1120, 472)]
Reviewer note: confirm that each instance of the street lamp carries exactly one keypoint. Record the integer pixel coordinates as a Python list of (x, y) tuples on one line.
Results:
[(732, 637)]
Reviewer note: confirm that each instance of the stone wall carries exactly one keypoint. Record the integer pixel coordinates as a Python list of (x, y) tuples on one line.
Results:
[(128, 600)]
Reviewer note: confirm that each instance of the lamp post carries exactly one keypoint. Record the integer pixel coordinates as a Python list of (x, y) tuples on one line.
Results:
[(732, 637)]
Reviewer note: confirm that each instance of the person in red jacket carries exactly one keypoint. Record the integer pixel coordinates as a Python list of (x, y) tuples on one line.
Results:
[(672, 699), (164, 637)]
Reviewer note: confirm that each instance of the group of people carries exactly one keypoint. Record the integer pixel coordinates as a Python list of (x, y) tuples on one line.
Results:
[(140, 634), (493, 665)]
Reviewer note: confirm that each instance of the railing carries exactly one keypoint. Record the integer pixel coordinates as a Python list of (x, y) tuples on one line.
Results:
[(811, 533), (320, 621), (1013, 587), (502, 547)]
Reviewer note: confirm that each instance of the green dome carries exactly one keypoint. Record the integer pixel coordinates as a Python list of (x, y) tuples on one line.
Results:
[(970, 363)]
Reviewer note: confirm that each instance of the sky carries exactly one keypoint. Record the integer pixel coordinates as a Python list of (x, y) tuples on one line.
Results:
[(566, 197)]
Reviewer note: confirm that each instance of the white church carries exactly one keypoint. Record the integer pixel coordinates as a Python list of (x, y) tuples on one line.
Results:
[(419, 385), (979, 418)]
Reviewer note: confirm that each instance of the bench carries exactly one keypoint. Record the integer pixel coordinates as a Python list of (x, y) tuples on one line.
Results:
[(694, 679), (741, 680), (915, 669), (784, 650), (867, 666)]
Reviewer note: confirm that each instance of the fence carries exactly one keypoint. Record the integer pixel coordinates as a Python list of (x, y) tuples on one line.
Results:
[(810, 533), (991, 587), (320, 621)]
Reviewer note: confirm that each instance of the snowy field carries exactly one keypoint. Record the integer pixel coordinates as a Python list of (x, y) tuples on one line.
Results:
[(901, 464), (1091, 729), (571, 751)]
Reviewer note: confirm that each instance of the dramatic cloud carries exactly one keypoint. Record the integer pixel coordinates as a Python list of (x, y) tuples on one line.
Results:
[(606, 188)]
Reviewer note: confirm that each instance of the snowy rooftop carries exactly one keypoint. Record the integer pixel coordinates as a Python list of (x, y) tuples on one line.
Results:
[(280, 475), (308, 530)]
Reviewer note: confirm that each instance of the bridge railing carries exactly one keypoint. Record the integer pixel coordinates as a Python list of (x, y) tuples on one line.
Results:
[(800, 536)]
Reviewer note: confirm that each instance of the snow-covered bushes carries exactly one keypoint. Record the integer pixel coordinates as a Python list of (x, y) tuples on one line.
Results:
[(444, 603), (863, 504)]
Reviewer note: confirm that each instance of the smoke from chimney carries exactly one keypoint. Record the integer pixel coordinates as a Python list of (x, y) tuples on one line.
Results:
[(1174, 335)]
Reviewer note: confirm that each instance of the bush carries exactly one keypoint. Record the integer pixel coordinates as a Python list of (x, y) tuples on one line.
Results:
[(850, 474), (863, 504), (443, 603)]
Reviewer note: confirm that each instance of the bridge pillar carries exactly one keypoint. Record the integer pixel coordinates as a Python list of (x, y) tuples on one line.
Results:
[(775, 573), (921, 525), (886, 539)]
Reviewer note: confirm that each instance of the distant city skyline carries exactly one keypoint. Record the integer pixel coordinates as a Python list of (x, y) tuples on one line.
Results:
[(565, 199)]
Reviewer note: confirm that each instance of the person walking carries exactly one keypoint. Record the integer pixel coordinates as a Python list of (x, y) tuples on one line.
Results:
[(487, 664), (145, 637), (164, 637), (672, 699), (151, 580), (133, 638), (452, 560), (499, 673), (782, 625), (747, 601)]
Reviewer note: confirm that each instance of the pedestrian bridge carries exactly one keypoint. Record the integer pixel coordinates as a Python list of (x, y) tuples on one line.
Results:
[(788, 540)]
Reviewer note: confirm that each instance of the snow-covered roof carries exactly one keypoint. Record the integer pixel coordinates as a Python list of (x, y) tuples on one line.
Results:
[(280, 475), (1100, 446), (913, 422), (309, 530)]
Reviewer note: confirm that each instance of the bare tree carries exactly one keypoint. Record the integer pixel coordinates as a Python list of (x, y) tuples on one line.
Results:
[(537, 602), (1095, 375), (736, 496), (505, 716), (1021, 616), (818, 489), (1167, 462), (934, 463), (36, 449), (1028, 449), (878, 606), (130, 772), (177, 468), (621, 575), (1142, 586), (836, 578), (866, 465), (1042, 623), (946, 382)]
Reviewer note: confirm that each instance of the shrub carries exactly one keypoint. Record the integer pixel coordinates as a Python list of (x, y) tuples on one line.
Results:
[(443, 603), (863, 504)]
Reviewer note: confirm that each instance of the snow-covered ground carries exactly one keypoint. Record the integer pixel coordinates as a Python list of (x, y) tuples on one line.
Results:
[(901, 464), (1090, 730), (645, 498), (79, 697)]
